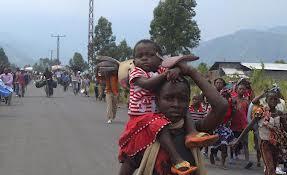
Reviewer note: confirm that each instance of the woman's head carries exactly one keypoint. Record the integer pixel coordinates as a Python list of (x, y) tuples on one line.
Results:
[(272, 99), (197, 99), (241, 89), (6, 70), (147, 55), (173, 99), (219, 84)]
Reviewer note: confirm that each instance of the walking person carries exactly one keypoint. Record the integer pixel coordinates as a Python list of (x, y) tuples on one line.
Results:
[(7, 79), (112, 93), (239, 122), (96, 88), (272, 132), (76, 82), (21, 83)]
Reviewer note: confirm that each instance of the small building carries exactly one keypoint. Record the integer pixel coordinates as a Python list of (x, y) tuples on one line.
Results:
[(243, 70)]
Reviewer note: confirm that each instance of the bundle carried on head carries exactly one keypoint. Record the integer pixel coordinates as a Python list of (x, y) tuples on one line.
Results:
[(106, 65)]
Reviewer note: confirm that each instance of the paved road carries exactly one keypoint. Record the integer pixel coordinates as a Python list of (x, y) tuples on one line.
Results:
[(63, 135)]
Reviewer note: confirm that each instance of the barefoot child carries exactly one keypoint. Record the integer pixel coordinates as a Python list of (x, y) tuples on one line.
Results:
[(144, 126), (273, 137), (225, 133)]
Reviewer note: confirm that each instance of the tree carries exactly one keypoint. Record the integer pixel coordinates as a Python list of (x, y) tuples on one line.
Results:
[(173, 26), (4, 61), (203, 68), (44, 63), (104, 41), (77, 63), (124, 51), (55, 62), (281, 61)]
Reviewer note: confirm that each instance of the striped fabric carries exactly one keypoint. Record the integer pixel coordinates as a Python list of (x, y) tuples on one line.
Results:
[(142, 101), (197, 114)]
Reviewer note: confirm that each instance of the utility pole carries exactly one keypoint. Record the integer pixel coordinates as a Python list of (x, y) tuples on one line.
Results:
[(91, 35), (58, 44), (51, 55)]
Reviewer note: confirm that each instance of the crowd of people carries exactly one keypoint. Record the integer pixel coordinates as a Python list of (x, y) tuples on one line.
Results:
[(169, 127), (159, 134), (16, 80)]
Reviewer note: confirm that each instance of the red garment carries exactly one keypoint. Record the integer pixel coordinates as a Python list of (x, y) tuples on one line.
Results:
[(142, 101), (200, 109), (248, 94), (21, 79), (139, 133), (229, 112), (197, 114), (239, 121)]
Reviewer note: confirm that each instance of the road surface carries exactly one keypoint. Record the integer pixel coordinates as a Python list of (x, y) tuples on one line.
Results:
[(65, 135)]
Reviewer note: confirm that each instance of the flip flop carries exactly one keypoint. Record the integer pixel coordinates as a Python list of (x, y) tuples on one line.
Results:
[(176, 168), (172, 61), (249, 165), (200, 139)]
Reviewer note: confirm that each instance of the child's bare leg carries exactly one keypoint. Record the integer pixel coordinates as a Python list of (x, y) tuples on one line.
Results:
[(167, 144), (246, 152), (223, 155), (190, 125), (258, 155)]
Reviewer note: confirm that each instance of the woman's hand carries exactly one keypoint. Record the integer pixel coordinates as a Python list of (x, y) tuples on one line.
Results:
[(184, 67), (173, 74)]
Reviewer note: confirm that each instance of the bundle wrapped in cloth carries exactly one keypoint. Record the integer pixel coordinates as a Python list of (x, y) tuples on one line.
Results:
[(5, 91), (40, 83), (106, 65)]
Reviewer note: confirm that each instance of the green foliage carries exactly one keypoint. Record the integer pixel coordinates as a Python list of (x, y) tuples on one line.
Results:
[(77, 63), (203, 68), (123, 51), (4, 61), (44, 63), (104, 41), (174, 28), (281, 61)]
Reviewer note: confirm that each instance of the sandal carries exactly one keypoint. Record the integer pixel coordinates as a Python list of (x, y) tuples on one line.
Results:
[(200, 139), (176, 168), (172, 61)]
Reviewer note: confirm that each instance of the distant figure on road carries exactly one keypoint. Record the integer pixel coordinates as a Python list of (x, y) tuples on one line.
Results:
[(112, 93)]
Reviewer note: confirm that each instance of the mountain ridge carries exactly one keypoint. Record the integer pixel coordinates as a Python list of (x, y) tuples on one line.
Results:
[(249, 45)]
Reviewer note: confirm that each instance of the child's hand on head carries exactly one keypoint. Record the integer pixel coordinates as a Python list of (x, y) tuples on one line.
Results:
[(184, 67), (173, 74)]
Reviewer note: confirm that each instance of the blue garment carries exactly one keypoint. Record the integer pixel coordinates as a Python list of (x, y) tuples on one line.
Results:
[(225, 136), (65, 78)]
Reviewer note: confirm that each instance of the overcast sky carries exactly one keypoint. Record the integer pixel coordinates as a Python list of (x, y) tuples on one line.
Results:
[(30, 23)]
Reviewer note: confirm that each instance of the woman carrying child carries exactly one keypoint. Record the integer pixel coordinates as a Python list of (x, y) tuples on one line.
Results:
[(145, 126)]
